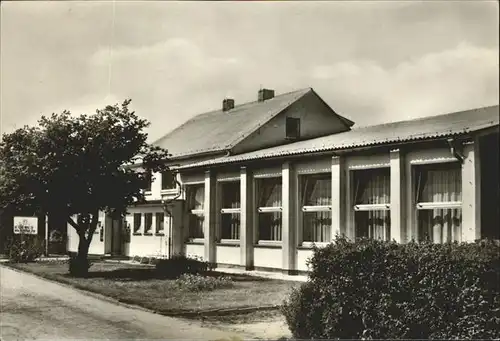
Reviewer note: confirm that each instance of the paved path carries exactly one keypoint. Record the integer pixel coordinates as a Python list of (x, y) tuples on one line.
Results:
[(34, 309)]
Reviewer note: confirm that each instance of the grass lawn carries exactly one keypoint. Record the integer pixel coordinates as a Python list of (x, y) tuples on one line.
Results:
[(136, 284)]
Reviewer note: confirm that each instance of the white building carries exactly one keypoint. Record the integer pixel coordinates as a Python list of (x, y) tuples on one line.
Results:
[(259, 183)]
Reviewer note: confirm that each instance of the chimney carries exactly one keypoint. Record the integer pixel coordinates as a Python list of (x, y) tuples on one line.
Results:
[(227, 104), (265, 94)]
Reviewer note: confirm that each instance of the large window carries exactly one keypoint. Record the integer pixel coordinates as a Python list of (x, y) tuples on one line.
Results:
[(269, 208), (316, 202), (371, 203), (148, 223), (438, 190), (137, 223), (168, 180), (195, 198), (230, 210), (160, 223)]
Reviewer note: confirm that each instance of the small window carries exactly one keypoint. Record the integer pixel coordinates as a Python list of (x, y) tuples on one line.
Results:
[(269, 209), (149, 179), (230, 211), (292, 128), (168, 180), (316, 203), (148, 221), (160, 223), (195, 197), (137, 223)]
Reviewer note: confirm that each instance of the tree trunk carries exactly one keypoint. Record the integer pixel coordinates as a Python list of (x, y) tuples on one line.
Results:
[(79, 265)]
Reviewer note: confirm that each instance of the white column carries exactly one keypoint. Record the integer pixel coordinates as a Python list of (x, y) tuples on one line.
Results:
[(246, 219), (289, 244), (209, 226), (338, 196), (471, 193), (397, 205)]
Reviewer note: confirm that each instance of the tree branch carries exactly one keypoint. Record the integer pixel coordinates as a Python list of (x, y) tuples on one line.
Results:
[(93, 226), (75, 225)]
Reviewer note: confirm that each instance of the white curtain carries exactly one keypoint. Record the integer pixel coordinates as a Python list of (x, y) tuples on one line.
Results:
[(196, 199), (160, 217), (372, 187), (269, 195), (443, 184), (317, 191)]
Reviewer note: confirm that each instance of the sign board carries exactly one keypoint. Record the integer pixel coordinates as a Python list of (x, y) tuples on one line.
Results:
[(25, 225)]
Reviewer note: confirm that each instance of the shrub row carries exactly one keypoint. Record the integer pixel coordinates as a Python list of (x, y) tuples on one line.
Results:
[(24, 248), (179, 265), (196, 283), (371, 289)]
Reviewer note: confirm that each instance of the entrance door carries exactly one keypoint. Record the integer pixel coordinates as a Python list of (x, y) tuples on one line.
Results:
[(116, 240)]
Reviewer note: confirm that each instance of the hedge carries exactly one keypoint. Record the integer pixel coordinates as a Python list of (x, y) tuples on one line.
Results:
[(371, 289)]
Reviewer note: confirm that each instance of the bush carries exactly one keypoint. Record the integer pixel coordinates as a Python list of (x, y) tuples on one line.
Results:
[(191, 282), (383, 290), (179, 265), (24, 248)]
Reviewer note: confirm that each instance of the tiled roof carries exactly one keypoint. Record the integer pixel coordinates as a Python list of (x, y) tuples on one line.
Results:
[(219, 131), (419, 129)]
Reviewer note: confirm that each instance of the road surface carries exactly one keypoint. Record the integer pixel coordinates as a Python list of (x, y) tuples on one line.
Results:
[(34, 309)]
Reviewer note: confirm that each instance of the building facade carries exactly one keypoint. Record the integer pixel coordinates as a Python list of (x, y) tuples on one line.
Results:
[(257, 185)]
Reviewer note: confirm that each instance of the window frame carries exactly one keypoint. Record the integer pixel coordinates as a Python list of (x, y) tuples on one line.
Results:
[(149, 189), (416, 171), (302, 209), (295, 122), (157, 233), (151, 230), (368, 173), (173, 189), (267, 209), (200, 212), (227, 210), (138, 231)]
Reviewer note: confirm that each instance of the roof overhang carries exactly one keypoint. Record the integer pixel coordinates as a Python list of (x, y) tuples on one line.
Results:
[(335, 150)]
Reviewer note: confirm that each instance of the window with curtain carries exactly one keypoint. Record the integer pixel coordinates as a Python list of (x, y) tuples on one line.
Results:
[(316, 202), (230, 210), (438, 190), (371, 203), (168, 180), (195, 197), (269, 208), (137, 223), (160, 223), (148, 223), (149, 179)]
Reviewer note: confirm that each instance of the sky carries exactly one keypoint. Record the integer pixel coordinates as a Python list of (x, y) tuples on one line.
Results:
[(371, 61)]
